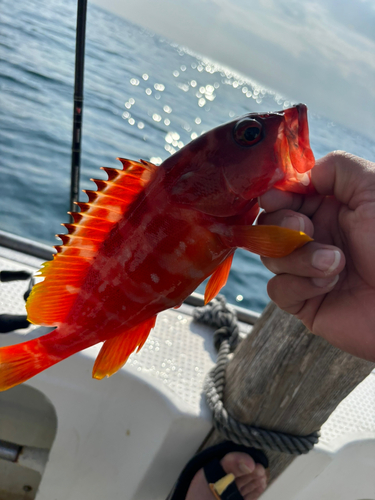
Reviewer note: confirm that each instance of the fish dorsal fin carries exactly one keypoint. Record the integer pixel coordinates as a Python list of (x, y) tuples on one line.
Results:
[(218, 279), (51, 300), (115, 351)]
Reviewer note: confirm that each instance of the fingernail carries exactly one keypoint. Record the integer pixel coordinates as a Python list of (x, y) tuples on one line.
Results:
[(325, 282), (294, 222), (244, 468), (326, 260)]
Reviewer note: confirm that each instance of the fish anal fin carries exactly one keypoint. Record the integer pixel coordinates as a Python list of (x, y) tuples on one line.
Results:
[(268, 241), (116, 351), (218, 279), (106, 206)]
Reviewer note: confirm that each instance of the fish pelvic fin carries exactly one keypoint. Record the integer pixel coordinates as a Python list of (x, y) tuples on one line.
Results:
[(268, 241), (116, 351), (218, 279), (51, 300)]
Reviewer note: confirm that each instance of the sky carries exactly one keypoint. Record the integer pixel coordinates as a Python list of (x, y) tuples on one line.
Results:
[(320, 52)]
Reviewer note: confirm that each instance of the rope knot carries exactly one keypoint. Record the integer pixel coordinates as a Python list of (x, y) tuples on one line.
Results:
[(218, 313)]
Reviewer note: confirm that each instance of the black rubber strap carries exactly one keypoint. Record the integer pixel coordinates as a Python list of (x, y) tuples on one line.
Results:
[(213, 454), (213, 472)]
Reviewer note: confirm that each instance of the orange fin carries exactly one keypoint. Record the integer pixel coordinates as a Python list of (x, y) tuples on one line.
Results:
[(51, 300), (218, 279), (268, 241), (115, 352), (18, 364), (22, 361)]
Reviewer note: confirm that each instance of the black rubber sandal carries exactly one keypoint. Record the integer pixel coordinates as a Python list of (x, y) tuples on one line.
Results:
[(209, 461)]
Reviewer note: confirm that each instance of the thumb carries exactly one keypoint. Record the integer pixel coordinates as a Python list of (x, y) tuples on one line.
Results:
[(349, 178)]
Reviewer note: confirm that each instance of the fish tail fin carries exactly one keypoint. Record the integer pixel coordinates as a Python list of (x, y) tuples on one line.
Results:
[(22, 361)]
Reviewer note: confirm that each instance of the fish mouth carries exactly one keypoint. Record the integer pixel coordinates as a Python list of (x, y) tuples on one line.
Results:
[(293, 148)]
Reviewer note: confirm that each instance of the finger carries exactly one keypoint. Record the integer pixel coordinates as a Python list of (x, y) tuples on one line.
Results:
[(252, 482), (349, 178), (258, 474), (290, 293), (254, 495), (288, 219), (238, 463), (314, 260), (275, 200), (253, 489)]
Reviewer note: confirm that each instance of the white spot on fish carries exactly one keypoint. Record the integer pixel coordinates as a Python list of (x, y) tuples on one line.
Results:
[(145, 176), (71, 289), (103, 286), (126, 254), (303, 178), (155, 278), (177, 252), (113, 216), (95, 310), (277, 175), (138, 258), (186, 176), (182, 246)]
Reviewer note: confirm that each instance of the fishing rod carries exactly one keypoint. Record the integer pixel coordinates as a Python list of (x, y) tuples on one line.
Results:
[(78, 102)]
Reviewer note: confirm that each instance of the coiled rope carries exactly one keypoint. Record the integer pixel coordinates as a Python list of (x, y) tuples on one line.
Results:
[(218, 314)]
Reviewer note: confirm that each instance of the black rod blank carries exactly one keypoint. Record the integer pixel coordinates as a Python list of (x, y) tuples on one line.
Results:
[(78, 102)]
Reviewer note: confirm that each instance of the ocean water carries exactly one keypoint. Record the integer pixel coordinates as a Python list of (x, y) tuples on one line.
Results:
[(145, 97)]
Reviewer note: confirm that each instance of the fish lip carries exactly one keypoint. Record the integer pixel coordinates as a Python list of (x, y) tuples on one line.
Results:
[(293, 147), (297, 132)]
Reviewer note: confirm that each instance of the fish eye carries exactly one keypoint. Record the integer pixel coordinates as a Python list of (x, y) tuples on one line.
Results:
[(247, 132)]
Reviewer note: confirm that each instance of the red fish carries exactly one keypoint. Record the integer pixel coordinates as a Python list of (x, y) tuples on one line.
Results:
[(150, 235)]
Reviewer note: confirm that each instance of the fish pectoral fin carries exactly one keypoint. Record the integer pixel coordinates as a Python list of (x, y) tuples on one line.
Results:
[(268, 241), (115, 351), (218, 279)]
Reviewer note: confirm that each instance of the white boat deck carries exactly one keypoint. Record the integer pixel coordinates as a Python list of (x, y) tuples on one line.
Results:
[(129, 436)]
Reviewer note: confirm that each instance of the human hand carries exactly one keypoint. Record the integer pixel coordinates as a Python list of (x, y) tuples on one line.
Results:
[(329, 284)]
